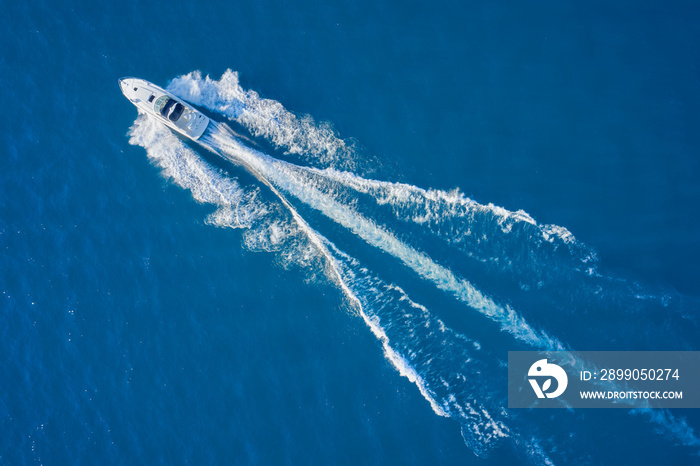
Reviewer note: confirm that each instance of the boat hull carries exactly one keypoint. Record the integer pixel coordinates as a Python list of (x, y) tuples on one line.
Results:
[(175, 113)]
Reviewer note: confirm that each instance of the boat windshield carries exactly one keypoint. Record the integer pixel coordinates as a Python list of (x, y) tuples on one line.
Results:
[(176, 112), (169, 108)]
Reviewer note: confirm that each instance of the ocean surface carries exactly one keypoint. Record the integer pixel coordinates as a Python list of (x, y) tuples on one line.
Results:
[(391, 196)]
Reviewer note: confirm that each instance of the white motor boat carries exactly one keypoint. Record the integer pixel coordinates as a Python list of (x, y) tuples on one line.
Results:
[(180, 116)]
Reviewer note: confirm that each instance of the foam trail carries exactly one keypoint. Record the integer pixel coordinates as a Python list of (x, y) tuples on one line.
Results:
[(289, 179), (445, 366)]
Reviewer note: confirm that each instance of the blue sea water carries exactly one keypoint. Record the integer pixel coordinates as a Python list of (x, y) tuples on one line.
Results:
[(438, 183)]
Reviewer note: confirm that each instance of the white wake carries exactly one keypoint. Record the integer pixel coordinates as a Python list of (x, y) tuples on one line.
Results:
[(294, 181), (444, 365)]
